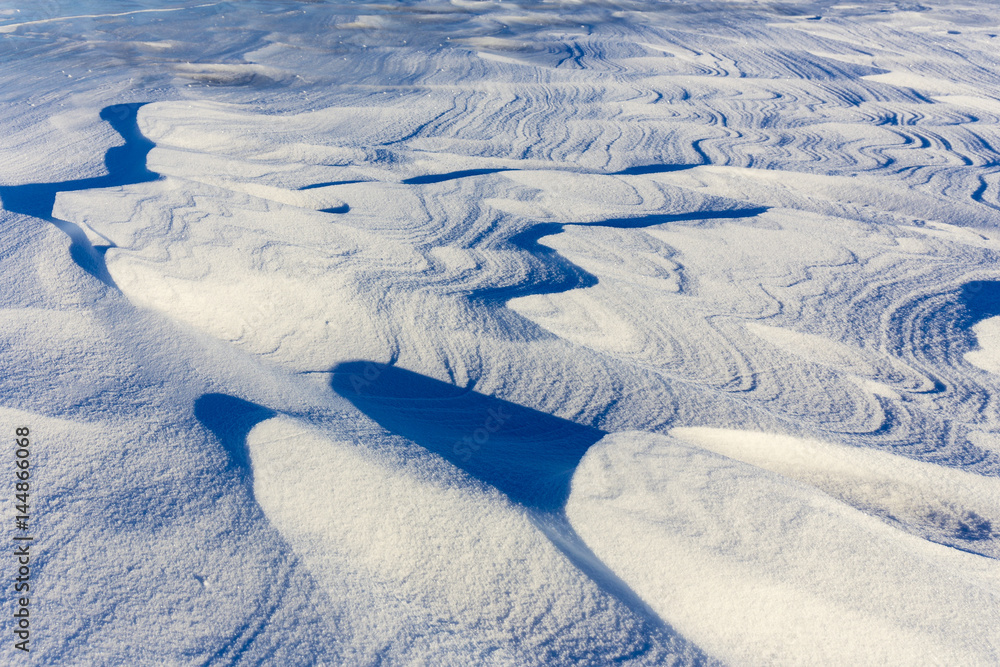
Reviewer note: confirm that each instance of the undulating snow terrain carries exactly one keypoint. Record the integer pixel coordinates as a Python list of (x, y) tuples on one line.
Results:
[(530, 332)]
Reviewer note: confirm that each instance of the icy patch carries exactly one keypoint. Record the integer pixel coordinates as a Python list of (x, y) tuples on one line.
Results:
[(231, 75)]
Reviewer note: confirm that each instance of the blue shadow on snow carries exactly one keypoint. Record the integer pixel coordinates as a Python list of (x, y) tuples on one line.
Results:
[(125, 164), (554, 274), (980, 300), (528, 455), (230, 420)]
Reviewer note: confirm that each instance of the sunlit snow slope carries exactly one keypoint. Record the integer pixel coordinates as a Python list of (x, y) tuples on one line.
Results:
[(503, 333)]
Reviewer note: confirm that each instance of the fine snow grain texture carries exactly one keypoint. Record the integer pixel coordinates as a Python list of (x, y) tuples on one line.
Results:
[(702, 536), (504, 333)]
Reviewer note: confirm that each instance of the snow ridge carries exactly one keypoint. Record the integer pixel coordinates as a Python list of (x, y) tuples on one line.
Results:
[(515, 333)]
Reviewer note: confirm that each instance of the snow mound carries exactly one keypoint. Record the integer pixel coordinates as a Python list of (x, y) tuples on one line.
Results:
[(950, 507), (424, 568), (703, 537)]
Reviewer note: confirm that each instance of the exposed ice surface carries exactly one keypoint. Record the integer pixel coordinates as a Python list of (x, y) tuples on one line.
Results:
[(504, 333)]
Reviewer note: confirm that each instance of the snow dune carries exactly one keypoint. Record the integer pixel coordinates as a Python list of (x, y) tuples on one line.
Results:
[(803, 578), (517, 333), (422, 567)]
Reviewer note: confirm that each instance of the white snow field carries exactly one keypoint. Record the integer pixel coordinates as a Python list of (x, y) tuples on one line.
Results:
[(533, 332)]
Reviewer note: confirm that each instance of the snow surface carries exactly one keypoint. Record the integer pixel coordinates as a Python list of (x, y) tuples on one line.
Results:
[(529, 332)]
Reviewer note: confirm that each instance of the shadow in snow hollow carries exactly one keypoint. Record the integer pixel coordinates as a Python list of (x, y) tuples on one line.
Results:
[(528, 455), (125, 164), (230, 420), (980, 300)]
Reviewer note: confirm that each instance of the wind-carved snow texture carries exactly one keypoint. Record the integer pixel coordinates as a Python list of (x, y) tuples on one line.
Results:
[(506, 333)]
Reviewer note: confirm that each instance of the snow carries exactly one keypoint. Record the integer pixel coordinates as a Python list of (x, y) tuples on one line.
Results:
[(520, 333), (423, 568), (799, 576)]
